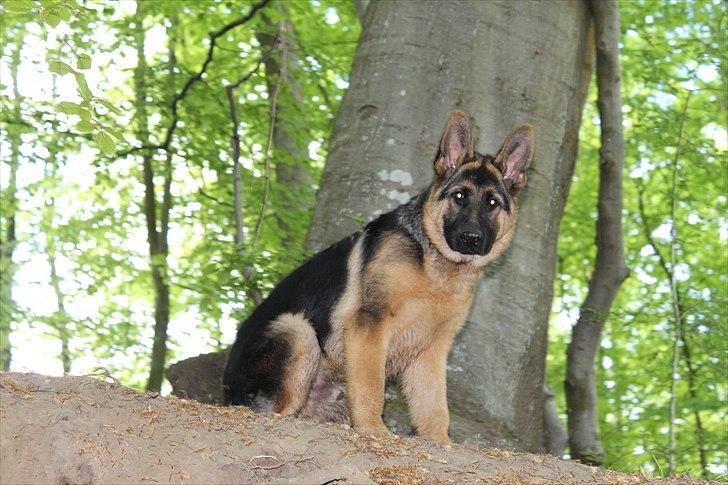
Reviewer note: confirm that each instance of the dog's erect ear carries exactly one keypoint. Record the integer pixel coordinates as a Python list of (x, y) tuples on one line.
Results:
[(456, 144), (514, 157)]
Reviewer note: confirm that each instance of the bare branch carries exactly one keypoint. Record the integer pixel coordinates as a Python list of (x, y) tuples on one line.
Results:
[(208, 59), (271, 128), (213, 36), (235, 142)]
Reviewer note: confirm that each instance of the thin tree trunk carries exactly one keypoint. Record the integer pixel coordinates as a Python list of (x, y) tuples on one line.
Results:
[(679, 313), (678, 310), (610, 269), (239, 235), (7, 242), (272, 121), (60, 317), (675, 300), (157, 239), (693, 390)]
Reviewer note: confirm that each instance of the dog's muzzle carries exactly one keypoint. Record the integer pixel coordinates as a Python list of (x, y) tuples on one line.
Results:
[(471, 242)]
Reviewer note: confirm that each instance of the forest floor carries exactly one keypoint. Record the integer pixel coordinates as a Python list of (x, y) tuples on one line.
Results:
[(85, 430)]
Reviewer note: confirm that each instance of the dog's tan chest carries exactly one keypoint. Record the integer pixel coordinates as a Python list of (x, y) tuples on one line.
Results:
[(419, 310)]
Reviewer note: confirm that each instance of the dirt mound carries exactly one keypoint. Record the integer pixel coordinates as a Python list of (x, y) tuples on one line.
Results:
[(85, 430)]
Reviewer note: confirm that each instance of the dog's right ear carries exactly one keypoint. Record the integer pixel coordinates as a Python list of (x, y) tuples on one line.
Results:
[(514, 157), (456, 145)]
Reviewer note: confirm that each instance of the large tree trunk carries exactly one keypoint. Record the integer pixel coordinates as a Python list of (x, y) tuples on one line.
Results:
[(505, 63)]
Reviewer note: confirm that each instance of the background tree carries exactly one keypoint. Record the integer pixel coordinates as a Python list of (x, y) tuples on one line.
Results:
[(13, 131), (609, 268), (157, 234)]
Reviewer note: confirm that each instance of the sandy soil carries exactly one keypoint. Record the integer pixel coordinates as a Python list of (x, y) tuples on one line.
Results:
[(84, 430)]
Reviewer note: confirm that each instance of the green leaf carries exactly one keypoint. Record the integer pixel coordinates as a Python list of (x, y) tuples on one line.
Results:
[(71, 108), (19, 5), (108, 105), (83, 61), (85, 126), (64, 13), (118, 134), (59, 67), (83, 88), (51, 18), (86, 115), (105, 142)]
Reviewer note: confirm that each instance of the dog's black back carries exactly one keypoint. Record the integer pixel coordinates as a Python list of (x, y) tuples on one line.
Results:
[(312, 289)]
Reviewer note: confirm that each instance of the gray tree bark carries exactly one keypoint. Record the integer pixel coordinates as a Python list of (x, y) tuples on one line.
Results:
[(556, 435), (610, 269), (505, 63)]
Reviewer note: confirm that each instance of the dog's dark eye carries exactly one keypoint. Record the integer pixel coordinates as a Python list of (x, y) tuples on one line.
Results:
[(493, 202), (459, 196)]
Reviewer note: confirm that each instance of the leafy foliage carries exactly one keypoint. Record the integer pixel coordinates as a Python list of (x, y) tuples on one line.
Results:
[(674, 108), (97, 222)]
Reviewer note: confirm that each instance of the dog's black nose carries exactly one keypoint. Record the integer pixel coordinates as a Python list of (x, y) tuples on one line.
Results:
[(470, 240)]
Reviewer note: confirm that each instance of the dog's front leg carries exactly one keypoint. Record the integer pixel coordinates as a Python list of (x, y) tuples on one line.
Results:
[(365, 347), (425, 388)]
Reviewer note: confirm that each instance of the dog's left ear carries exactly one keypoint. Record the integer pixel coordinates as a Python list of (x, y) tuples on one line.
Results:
[(514, 157)]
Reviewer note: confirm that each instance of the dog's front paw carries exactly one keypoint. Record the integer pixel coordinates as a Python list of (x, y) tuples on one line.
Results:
[(375, 428), (442, 438)]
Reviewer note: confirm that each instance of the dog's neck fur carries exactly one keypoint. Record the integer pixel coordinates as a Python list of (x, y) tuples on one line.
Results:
[(410, 216)]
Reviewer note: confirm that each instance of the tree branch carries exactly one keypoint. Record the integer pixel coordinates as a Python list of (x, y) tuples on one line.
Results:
[(213, 36), (208, 59)]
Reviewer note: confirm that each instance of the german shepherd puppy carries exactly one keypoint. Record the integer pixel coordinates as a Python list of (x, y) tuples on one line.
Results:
[(387, 300)]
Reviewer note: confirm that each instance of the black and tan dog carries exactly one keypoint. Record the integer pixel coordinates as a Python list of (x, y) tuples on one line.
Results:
[(385, 301)]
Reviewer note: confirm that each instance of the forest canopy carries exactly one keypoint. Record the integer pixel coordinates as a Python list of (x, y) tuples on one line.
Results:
[(159, 163)]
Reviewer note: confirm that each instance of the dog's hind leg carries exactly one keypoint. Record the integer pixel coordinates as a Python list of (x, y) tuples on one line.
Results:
[(301, 364)]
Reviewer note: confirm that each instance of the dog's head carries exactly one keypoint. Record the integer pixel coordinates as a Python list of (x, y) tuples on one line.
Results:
[(470, 212)]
